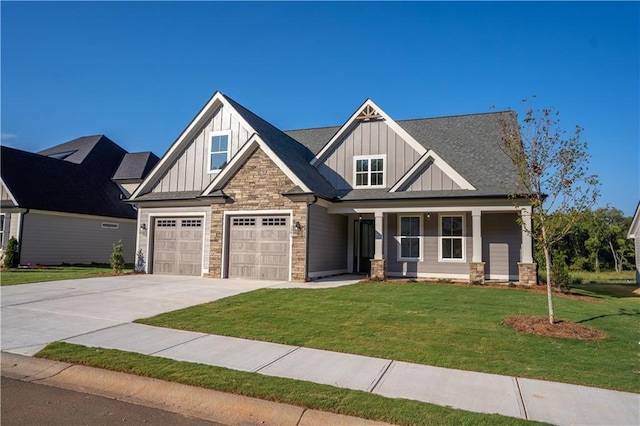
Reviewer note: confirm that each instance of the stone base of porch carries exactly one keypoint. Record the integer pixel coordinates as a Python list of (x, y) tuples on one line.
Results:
[(378, 269), (528, 274), (476, 272)]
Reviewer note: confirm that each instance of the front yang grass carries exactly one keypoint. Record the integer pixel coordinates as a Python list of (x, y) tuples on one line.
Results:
[(304, 394), (441, 325)]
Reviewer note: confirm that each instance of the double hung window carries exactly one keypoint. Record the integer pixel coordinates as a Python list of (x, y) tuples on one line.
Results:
[(218, 150), (452, 238), (410, 240)]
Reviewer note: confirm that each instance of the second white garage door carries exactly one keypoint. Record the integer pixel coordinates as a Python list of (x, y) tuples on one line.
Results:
[(259, 247), (177, 246)]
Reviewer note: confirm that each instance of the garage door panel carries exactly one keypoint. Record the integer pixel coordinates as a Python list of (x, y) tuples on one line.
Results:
[(259, 247), (177, 246)]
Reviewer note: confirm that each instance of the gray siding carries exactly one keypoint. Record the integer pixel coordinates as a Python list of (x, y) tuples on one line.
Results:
[(430, 178), (190, 171), (637, 244), (429, 263), (145, 238), (327, 241), (50, 239), (501, 244), (368, 138)]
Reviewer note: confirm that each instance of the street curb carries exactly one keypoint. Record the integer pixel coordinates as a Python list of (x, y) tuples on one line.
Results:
[(187, 400)]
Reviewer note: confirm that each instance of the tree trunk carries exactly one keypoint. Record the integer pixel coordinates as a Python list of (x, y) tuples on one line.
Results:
[(547, 261), (615, 257)]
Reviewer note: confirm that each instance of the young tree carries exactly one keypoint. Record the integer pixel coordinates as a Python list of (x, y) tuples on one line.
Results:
[(552, 175), (117, 257)]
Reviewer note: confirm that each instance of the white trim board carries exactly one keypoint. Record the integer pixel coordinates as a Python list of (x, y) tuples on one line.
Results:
[(440, 163), (13, 199)]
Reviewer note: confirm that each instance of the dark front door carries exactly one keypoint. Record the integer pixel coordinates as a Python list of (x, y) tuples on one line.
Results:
[(364, 238)]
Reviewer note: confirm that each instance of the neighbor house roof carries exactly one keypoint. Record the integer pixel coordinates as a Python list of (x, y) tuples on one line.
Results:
[(135, 166), (78, 183)]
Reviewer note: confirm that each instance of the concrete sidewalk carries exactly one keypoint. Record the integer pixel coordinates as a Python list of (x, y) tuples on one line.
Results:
[(557, 403)]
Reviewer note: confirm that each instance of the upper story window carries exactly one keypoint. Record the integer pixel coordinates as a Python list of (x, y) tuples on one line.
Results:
[(452, 238), (218, 150), (369, 171)]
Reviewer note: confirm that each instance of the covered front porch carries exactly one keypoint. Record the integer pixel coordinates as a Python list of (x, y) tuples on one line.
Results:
[(463, 243)]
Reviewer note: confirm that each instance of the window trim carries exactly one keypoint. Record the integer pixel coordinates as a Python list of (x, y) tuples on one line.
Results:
[(212, 134), (382, 157), (462, 237), (3, 223), (420, 239)]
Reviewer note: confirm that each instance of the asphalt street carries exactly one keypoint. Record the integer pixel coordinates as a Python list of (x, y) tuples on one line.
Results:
[(25, 403)]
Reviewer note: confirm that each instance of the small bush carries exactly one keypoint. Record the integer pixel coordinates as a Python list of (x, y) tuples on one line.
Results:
[(117, 257), (560, 276), (140, 262), (11, 255)]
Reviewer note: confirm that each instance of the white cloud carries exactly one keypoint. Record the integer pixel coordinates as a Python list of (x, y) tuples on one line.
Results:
[(7, 136)]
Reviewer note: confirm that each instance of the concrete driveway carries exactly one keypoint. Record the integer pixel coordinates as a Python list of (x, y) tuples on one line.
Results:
[(34, 315)]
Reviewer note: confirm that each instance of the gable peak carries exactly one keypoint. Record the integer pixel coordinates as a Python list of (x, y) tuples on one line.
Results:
[(368, 113)]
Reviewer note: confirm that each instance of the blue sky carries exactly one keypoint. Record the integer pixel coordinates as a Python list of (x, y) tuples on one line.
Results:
[(139, 72)]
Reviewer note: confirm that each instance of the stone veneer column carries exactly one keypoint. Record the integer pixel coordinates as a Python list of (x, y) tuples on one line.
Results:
[(476, 272), (528, 273), (378, 269)]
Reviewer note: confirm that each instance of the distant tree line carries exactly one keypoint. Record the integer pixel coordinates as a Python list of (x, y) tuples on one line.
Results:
[(596, 241)]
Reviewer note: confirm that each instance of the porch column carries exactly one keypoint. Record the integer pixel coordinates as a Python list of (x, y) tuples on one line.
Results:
[(378, 263), (527, 269), (476, 266)]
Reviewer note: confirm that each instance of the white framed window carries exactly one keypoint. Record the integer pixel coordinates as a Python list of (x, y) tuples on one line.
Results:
[(369, 171), (451, 247), (410, 237), (2, 230), (219, 150)]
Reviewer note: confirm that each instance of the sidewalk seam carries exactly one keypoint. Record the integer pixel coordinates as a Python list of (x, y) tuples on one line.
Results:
[(262, 367), (524, 406), (384, 372), (301, 415), (178, 344)]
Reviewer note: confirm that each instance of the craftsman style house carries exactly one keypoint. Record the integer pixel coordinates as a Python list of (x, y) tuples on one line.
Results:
[(65, 204), (235, 197)]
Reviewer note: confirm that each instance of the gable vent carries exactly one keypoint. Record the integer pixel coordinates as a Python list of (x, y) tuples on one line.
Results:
[(368, 114)]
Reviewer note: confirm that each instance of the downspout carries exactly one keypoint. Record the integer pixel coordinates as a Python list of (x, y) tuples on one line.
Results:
[(306, 239), (20, 230)]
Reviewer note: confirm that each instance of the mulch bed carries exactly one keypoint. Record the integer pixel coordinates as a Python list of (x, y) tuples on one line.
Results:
[(562, 329)]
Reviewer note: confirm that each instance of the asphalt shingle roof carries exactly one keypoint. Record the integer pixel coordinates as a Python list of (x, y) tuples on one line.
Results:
[(40, 182), (135, 166)]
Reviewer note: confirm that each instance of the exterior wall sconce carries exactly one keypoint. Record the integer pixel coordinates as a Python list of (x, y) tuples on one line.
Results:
[(143, 227), (298, 226), (428, 216)]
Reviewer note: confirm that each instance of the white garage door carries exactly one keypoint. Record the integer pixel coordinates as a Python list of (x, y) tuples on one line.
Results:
[(259, 247), (177, 246)]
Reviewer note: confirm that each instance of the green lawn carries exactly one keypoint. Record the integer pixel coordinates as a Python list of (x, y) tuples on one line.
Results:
[(52, 273), (436, 324), (304, 394), (605, 277)]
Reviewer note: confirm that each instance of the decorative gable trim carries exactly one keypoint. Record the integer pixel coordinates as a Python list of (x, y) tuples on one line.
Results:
[(367, 111), (443, 165), (240, 159), (6, 188), (185, 137), (635, 226)]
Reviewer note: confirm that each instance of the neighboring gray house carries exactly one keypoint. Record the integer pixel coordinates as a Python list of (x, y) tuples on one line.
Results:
[(62, 205), (634, 232), (235, 197)]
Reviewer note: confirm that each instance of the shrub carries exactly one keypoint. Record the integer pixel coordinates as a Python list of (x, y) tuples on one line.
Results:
[(11, 255), (117, 257), (560, 277), (140, 262)]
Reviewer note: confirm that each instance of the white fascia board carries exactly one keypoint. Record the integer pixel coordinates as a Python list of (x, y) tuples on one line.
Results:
[(340, 209), (185, 137), (438, 161), (13, 199), (389, 121), (239, 159), (635, 224)]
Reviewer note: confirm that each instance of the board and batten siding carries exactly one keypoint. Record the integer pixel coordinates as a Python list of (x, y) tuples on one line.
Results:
[(429, 263), (637, 245), (431, 178), (190, 171), (4, 194), (368, 138), (147, 216), (501, 245), (53, 239), (328, 234)]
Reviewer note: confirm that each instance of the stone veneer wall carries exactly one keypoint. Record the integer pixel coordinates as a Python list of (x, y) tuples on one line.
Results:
[(257, 186), (476, 272), (378, 269), (528, 273)]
